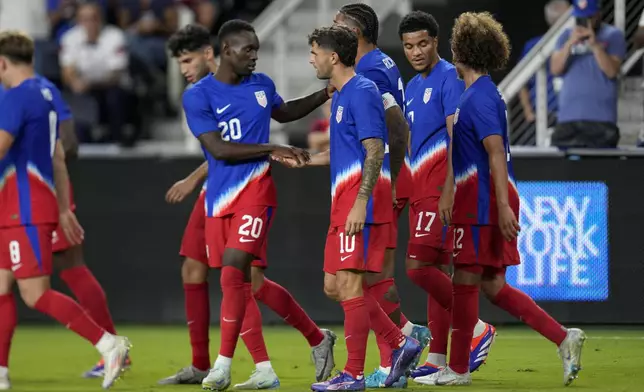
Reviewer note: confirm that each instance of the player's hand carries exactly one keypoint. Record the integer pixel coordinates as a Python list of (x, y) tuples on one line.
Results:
[(288, 162), (508, 223), (356, 219), (71, 228), (178, 192), (590, 34), (393, 195), (445, 205), (284, 153), (330, 89)]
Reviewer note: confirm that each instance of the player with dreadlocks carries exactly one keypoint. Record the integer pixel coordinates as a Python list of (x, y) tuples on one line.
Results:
[(375, 65)]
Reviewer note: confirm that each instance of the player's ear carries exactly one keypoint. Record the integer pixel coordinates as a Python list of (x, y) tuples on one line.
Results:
[(209, 53)]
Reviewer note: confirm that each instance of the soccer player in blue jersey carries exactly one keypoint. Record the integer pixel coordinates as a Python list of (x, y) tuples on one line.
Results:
[(192, 48), (486, 204), (431, 100), (230, 113), (34, 200), (361, 207)]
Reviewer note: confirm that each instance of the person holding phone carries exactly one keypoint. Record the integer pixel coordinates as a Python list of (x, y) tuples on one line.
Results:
[(588, 59)]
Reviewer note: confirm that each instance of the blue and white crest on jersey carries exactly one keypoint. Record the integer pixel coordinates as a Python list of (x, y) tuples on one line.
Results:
[(338, 114), (456, 115), (427, 95), (261, 98)]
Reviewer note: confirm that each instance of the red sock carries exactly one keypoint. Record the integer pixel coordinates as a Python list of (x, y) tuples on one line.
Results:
[(90, 295), (466, 301), (518, 304), (197, 304), (382, 324), (70, 314), (9, 317), (439, 321), (379, 291), (435, 283), (251, 331), (356, 333), (403, 320), (233, 309), (385, 351), (280, 301)]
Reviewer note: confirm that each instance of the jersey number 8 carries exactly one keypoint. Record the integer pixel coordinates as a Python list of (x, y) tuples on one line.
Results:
[(231, 129)]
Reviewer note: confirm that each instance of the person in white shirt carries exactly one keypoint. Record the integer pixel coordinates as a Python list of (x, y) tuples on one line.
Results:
[(94, 61), (639, 34)]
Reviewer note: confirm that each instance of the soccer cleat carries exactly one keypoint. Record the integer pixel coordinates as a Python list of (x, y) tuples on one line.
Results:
[(342, 382), (423, 336), (218, 379), (425, 370), (99, 369), (449, 377), (481, 346), (115, 361), (401, 360), (261, 379), (378, 377), (570, 354), (322, 356), (5, 383), (187, 375)]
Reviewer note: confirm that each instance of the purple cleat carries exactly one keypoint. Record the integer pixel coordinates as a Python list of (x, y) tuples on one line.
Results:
[(402, 359), (342, 382)]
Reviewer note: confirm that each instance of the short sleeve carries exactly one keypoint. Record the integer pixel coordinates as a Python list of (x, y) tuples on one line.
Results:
[(12, 113), (452, 90), (485, 117), (380, 79), (276, 99), (368, 113), (61, 107), (199, 114), (68, 53), (616, 44), (117, 60), (563, 38)]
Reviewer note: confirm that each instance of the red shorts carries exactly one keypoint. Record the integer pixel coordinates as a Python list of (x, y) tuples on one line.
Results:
[(398, 209), (429, 240), (246, 230), (26, 250), (483, 246), (364, 251)]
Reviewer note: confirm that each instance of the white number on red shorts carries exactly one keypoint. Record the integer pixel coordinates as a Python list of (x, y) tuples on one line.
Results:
[(255, 225), (458, 236), (14, 252), (347, 243), (425, 214)]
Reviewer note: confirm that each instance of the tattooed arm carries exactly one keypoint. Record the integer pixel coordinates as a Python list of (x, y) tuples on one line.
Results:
[(398, 131)]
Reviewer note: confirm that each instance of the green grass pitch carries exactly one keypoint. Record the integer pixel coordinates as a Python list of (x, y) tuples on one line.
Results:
[(52, 359)]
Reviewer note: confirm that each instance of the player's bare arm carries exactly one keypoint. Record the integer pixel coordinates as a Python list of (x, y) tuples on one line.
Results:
[(182, 188), (68, 222), (296, 109), (375, 154), (498, 166), (446, 201), (6, 140), (320, 159), (398, 131), (235, 152), (69, 139)]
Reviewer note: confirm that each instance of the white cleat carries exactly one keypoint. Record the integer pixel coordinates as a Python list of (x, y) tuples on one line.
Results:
[(5, 383), (429, 379), (115, 361), (261, 379), (449, 377), (322, 356), (218, 379), (570, 354)]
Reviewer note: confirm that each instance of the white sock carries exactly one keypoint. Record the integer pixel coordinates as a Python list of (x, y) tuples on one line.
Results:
[(222, 362), (437, 359), (266, 365), (407, 328), (385, 370), (479, 328), (4, 371), (106, 343)]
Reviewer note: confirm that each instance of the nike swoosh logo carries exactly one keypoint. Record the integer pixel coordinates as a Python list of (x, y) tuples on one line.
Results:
[(409, 102), (221, 110), (245, 332), (245, 240), (229, 321), (456, 254), (344, 258), (418, 235)]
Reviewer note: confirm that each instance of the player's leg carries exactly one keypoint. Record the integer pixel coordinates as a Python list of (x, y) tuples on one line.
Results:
[(569, 341), (279, 300), (9, 317), (32, 267)]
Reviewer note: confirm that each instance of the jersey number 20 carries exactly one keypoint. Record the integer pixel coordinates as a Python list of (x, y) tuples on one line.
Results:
[(231, 129)]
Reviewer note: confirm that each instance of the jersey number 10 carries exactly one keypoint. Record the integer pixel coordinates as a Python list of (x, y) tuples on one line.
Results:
[(230, 130)]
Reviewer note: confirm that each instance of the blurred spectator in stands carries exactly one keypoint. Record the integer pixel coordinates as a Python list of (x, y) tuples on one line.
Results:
[(208, 13), (588, 58), (319, 134), (94, 64), (554, 9), (29, 16)]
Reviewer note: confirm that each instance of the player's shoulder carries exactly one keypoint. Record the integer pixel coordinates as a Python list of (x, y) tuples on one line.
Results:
[(261, 78), (483, 93), (364, 85), (195, 92)]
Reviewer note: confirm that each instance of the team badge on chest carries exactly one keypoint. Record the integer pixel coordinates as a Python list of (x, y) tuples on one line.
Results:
[(338, 114), (261, 98), (427, 95)]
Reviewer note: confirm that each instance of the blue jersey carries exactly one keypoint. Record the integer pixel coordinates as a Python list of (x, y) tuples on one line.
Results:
[(382, 70), (481, 113), (27, 193), (242, 114), (357, 114), (430, 100), (61, 107)]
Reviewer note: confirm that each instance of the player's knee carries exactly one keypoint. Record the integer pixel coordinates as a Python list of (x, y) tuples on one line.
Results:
[(32, 289), (348, 285), (490, 286), (331, 291), (69, 258), (256, 278), (193, 271), (6, 282), (392, 294)]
